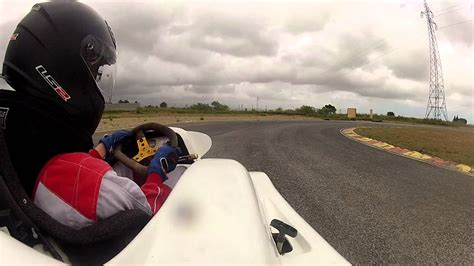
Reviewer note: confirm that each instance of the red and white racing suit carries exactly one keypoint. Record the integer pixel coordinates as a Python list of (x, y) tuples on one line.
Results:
[(77, 189)]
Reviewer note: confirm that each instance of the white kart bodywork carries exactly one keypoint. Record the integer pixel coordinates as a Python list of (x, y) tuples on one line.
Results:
[(196, 142), (218, 213)]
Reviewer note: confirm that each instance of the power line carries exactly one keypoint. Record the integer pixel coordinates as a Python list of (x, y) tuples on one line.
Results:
[(349, 60), (357, 55), (447, 8), (454, 24), (380, 56), (390, 50), (448, 12)]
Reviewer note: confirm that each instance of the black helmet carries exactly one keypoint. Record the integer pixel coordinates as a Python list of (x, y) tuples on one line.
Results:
[(64, 53), (61, 63)]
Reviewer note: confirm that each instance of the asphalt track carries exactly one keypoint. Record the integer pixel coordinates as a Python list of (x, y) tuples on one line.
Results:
[(370, 205)]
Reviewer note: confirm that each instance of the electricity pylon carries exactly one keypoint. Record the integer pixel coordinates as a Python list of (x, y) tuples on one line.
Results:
[(436, 100)]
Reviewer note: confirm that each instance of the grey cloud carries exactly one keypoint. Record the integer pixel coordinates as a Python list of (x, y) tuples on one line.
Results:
[(209, 79), (457, 26), (195, 45), (194, 52), (461, 89), (181, 95), (354, 49), (461, 33), (388, 91), (308, 23), (137, 27), (410, 64), (274, 91), (320, 57), (177, 50), (233, 35), (154, 72), (344, 80), (269, 72), (210, 89)]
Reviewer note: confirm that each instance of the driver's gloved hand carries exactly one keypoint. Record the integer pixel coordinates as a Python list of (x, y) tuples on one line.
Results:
[(111, 140), (163, 162)]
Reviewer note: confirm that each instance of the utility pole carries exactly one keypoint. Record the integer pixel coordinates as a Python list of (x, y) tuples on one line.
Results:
[(257, 103), (436, 107)]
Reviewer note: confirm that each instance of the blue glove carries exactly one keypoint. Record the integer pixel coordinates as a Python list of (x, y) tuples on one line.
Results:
[(163, 162), (110, 141)]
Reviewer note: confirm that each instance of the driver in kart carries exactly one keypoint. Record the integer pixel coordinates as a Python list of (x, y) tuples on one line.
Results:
[(60, 64)]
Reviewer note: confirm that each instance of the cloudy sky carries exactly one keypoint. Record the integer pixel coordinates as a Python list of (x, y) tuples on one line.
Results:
[(364, 54)]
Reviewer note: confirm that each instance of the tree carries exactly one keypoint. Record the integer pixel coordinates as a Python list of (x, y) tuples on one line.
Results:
[(219, 107), (201, 106), (456, 119), (163, 105), (305, 109), (123, 101), (390, 114), (328, 109)]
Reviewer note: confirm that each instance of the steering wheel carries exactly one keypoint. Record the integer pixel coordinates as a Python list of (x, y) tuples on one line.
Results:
[(144, 149)]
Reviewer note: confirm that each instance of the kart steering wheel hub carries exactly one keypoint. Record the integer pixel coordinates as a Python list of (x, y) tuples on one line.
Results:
[(145, 150)]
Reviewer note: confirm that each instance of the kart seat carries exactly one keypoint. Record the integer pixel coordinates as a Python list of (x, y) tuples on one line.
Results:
[(94, 244)]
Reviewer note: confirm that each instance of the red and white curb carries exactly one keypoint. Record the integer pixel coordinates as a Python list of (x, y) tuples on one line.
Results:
[(466, 169)]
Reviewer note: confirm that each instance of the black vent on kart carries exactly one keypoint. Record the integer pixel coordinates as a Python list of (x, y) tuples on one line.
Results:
[(94, 244), (183, 150)]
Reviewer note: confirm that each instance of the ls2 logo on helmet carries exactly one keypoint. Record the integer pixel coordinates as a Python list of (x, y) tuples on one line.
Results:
[(50, 80)]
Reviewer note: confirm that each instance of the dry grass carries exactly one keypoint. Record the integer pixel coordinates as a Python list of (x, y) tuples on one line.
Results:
[(125, 121), (454, 144)]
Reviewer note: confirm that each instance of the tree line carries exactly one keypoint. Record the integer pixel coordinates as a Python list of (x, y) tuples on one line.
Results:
[(327, 109)]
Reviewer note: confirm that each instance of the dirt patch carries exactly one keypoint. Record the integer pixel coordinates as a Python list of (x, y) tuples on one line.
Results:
[(115, 123), (452, 144)]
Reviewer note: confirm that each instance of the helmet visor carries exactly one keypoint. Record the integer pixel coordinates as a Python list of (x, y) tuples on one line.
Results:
[(101, 60)]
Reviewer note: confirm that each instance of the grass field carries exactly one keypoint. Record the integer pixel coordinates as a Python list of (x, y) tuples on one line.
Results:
[(453, 144), (114, 121), (150, 111)]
